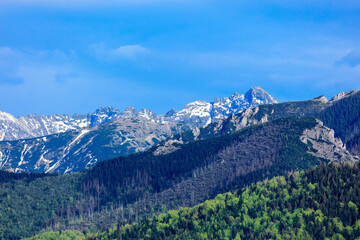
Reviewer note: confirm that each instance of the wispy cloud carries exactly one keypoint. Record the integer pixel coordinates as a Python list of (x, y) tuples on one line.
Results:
[(130, 52), (351, 59), (83, 4), (64, 77), (12, 61), (8, 68)]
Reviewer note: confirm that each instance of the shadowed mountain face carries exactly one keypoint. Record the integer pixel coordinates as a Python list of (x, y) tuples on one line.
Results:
[(106, 133)]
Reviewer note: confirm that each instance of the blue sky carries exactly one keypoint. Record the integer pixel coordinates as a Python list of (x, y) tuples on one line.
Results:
[(75, 56)]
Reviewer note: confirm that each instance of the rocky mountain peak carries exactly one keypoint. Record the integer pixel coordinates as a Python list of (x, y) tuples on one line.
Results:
[(342, 95), (170, 113), (147, 114), (103, 115), (216, 100), (4, 116), (321, 98), (257, 95), (130, 112), (108, 109), (196, 103), (236, 96)]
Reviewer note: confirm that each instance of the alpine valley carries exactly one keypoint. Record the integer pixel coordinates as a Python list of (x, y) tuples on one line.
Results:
[(80, 141), (274, 171)]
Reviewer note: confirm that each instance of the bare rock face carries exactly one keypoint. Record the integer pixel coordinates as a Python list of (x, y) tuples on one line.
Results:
[(325, 145), (344, 95), (168, 147), (322, 99), (247, 118)]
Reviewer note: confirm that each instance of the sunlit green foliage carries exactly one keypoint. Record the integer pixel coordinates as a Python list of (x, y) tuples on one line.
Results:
[(63, 235)]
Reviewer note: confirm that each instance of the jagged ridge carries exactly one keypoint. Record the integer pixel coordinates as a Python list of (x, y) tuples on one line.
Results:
[(197, 113)]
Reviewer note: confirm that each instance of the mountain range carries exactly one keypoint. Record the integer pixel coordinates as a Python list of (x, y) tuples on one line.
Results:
[(197, 113), (81, 141)]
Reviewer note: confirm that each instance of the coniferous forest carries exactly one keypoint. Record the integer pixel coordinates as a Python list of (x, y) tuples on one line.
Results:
[(320, 203)]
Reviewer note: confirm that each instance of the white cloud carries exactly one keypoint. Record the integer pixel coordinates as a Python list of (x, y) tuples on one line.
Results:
[(130, 52), (351, 59)]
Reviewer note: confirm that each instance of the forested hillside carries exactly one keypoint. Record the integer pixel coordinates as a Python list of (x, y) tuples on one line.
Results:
[(344, 117), (321, 203), (128, 188)]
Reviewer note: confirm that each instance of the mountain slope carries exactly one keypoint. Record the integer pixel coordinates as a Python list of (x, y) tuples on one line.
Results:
[(141, 184), (75, 150), (199, 170)]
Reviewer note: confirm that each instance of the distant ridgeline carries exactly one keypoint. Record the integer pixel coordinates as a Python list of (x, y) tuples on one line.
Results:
[(63, 144), (321, 203), (126, 189), (196, 113)]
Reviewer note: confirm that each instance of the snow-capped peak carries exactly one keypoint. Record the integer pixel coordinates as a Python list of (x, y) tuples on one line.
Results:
[(147, 114), (4, 116), (201, 112), (257, 95)]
